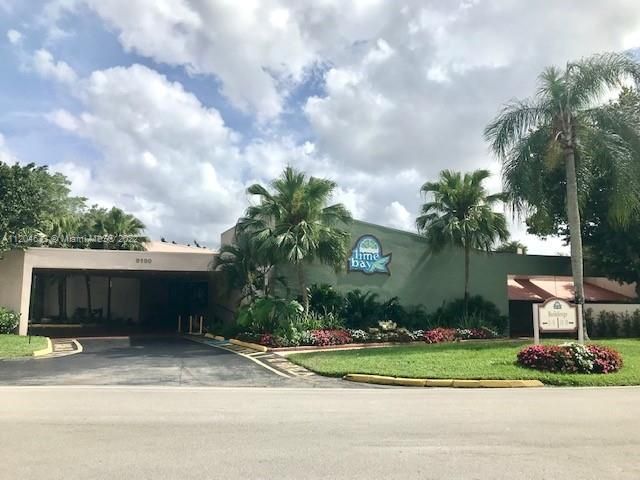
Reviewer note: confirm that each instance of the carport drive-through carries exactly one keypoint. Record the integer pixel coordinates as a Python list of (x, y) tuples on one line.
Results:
[(116, 302), (75, 292)]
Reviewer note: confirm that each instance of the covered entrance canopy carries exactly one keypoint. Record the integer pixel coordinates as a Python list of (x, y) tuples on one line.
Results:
[(96, 302), (106, 289), (541, 288)]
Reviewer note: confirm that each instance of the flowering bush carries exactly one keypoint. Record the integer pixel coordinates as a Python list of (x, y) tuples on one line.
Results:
[(570, 358), (8, 320), (440, 335), (324, 338), (359, 336), (268, 340), (606, 360), (387, 325), (481, 333)]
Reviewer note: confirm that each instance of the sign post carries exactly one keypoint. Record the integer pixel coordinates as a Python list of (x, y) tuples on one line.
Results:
[(556, 315)]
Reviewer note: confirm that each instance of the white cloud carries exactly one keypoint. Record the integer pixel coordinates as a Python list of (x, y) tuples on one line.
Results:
[(166, 158), (399, 217), (47, 67), (252, 47), (408, 93), (6, 156), (63, 119), (14, 36)]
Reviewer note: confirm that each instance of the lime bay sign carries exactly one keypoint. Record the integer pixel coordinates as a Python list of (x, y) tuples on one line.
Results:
[(367, 257)]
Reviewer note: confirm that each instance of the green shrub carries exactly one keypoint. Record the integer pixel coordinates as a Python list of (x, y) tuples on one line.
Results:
[(626, 329), (9, 320), (612, 324), (323, 299), (635, 323), (228, 330), (480, 312), (599, 326), (320, 321), (361, 310), (392, 310), (266, 315), (417, 318)]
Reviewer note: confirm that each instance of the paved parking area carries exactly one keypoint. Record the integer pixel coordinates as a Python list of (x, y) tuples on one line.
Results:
[(168, 361)]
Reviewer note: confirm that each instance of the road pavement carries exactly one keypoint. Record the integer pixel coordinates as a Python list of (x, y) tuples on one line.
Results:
[(209, 433)]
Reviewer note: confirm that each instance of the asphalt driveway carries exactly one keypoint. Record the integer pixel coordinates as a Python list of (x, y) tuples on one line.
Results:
[(163, 361)]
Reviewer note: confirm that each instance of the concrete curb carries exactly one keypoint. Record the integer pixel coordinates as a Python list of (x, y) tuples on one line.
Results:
[(436, 382), (44, 351), (240, 343), (79, 347), (253, 346), (215, 337)]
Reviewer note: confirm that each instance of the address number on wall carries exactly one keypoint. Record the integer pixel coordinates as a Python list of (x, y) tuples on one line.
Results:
[(143, 260)]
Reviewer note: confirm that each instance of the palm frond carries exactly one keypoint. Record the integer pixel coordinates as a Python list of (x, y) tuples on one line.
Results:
[(512, 123), (592, 77)]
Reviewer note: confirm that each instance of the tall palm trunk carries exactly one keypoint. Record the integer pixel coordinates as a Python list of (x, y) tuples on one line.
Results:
[(573, 214), (467, 254), (303, 287)]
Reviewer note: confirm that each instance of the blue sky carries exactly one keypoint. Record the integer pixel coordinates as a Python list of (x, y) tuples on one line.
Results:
[(171, 109)]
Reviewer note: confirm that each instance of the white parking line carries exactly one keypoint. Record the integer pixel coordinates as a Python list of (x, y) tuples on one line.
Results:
[(221, 347)]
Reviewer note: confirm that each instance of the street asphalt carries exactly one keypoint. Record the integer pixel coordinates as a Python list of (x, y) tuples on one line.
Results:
[(210, 433), (160, 361)]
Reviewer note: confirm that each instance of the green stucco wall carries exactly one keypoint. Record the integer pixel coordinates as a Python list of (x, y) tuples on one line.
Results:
[(420, 277)]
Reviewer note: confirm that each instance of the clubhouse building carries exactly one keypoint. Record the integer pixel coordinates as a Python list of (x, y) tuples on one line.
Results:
[(167, 286)]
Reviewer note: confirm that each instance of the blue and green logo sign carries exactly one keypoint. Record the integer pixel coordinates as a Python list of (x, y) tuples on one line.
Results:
[(367, 257)]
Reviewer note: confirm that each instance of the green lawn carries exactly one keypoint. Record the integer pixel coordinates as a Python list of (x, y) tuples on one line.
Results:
[(482, 360), (17, 346)]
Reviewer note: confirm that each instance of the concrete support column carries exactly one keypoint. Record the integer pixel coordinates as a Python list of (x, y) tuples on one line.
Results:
[(25, 297), (15, 285)]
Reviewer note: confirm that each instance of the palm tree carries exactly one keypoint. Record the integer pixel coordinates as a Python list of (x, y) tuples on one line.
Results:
[(293, 223), (567, 125), (125, 229), (460, 214), (245, 268)]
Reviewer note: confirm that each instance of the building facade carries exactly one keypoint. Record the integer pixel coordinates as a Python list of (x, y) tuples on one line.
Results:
[(149, 291), (396, 263)]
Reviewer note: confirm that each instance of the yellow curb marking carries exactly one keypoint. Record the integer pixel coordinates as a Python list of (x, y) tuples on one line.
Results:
[(44, 351), (254, 346), (60, 349), (215, 337), (427, 382)]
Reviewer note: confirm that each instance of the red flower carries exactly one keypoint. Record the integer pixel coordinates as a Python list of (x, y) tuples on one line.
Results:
[(440, 335), (325, 338)]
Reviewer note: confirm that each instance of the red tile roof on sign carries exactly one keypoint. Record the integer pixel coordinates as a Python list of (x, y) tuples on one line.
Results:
[(538, 289)]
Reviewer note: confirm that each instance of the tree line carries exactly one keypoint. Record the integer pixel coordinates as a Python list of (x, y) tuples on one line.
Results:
[(37, 209)]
